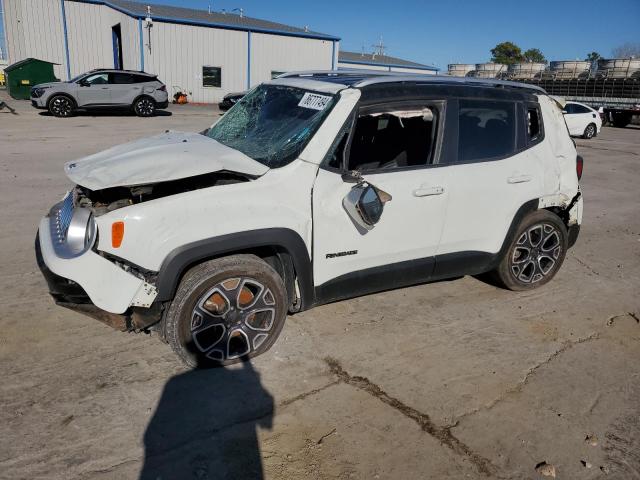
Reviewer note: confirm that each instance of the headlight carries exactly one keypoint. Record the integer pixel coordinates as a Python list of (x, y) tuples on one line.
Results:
[(81, 232), (73, 229), (37, 92)]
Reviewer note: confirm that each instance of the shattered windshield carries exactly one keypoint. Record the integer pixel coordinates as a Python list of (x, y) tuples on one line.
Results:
[(273, 123)]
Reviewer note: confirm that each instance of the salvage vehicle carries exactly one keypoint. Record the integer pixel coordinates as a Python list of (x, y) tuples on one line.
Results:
[(102, 89), (315, 187)]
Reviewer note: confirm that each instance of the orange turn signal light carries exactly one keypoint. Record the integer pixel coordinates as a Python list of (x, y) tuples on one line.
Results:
[(117, 234)]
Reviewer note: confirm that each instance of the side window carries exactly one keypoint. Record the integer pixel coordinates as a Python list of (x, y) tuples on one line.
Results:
[(211, 76), (580, 109), (486, 130), (534, 125), (97, 79), (570, 108), (122, 78), (388, 139)]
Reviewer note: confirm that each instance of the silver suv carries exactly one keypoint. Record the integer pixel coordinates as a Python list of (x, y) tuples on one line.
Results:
[(104, 88)]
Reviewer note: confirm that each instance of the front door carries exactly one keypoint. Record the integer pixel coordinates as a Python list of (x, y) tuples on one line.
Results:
[(393, 148), (94, 90)]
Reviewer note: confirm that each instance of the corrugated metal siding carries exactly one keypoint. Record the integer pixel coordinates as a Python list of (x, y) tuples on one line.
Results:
[(34, 29), (282, 54), (179, 52), (90, 39)]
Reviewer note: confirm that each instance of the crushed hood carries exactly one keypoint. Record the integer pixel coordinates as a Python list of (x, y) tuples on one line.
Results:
[(165, 157)]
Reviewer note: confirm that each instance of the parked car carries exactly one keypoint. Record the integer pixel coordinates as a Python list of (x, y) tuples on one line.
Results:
[(312, 190), (99, 89), (582, 120), (230, 99)]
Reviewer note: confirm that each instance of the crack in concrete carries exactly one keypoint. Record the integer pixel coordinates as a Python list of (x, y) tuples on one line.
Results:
[(518, 387), (442, 434), (304, 395)]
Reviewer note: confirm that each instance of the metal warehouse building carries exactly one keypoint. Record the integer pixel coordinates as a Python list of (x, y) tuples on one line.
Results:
[(372, 61), (206, 54)]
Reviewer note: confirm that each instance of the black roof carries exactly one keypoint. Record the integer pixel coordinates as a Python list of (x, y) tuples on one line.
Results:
[(365, 78), (380, 60), (191, 16)]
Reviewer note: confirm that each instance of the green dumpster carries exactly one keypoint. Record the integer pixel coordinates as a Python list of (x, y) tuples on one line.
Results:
[(23, 75)]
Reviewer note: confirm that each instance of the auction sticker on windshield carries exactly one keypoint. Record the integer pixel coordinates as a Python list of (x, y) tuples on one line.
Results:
[(314, 101)]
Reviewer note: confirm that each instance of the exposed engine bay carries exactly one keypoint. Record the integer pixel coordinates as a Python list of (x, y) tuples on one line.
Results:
[(110, 199)]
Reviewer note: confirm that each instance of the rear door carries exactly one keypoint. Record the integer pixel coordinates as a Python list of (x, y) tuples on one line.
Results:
[(124, 88), (94, 90), (492, 176)]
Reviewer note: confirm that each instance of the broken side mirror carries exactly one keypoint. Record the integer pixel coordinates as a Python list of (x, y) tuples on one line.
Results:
[(364, 204)]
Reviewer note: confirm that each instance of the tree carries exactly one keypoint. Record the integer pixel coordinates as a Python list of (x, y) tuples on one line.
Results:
[(626, 50), (507, 53), (534, 55), (593, 57)]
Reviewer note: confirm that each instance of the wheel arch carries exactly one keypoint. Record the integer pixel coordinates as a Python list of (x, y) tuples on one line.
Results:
[(282, 248), (143, 95), (62, 94)]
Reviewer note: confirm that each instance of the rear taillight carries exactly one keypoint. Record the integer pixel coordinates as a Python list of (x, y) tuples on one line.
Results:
[(579, 165), (162, 88)]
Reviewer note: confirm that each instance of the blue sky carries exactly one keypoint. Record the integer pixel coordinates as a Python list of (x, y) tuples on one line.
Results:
[(455, 31)]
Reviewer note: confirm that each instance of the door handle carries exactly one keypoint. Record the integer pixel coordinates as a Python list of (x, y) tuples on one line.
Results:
[(519, 179), (105, 88), (428, 191)]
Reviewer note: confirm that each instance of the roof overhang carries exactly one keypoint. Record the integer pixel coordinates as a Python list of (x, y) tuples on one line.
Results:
[(197, 23), (392, 65)]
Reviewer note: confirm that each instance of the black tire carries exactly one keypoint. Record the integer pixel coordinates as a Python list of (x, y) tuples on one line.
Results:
[(144, 107), (590, 131), (209, 322), (62, 106), (519, 272)]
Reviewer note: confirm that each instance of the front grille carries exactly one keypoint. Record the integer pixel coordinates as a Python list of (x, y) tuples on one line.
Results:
[(61, 219)]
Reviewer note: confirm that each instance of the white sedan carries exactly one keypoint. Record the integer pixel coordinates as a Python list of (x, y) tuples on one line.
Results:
[(582, 120)]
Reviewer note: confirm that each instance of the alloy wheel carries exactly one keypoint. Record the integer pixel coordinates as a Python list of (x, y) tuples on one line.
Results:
[(145, 107), (233, 318), (589, 132), (536, 253), (61, 106)]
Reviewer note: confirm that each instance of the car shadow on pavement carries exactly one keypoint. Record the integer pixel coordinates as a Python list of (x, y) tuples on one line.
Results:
[(108, 113), (205, 426)]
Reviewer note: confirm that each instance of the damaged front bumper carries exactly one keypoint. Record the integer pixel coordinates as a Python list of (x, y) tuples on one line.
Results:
[(93, 285)]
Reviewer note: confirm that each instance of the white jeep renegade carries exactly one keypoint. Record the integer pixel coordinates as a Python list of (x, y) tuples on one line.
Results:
[(315, 187)]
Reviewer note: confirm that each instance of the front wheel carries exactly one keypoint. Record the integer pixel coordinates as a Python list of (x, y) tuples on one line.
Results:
[(226, 310), (61, 106), (536, 252), (144, 107), (589, 131)]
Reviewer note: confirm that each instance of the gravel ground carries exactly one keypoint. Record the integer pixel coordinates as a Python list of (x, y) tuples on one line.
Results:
[(455, 379)]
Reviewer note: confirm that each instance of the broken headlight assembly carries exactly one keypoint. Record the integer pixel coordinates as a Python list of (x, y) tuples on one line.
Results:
[(73, 229)]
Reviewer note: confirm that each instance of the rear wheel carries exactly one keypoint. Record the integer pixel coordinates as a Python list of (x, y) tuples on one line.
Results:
[(536, 252), (589, 131), (61, 106), (144, 107), (226, 310)]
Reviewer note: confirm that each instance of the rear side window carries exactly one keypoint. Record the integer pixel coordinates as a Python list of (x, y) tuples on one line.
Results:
[(580, 109), (534, 125), (122, 78), (486, 130)]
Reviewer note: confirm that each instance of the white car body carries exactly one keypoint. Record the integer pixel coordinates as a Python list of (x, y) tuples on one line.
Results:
[(467, 208), (579, 116)]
